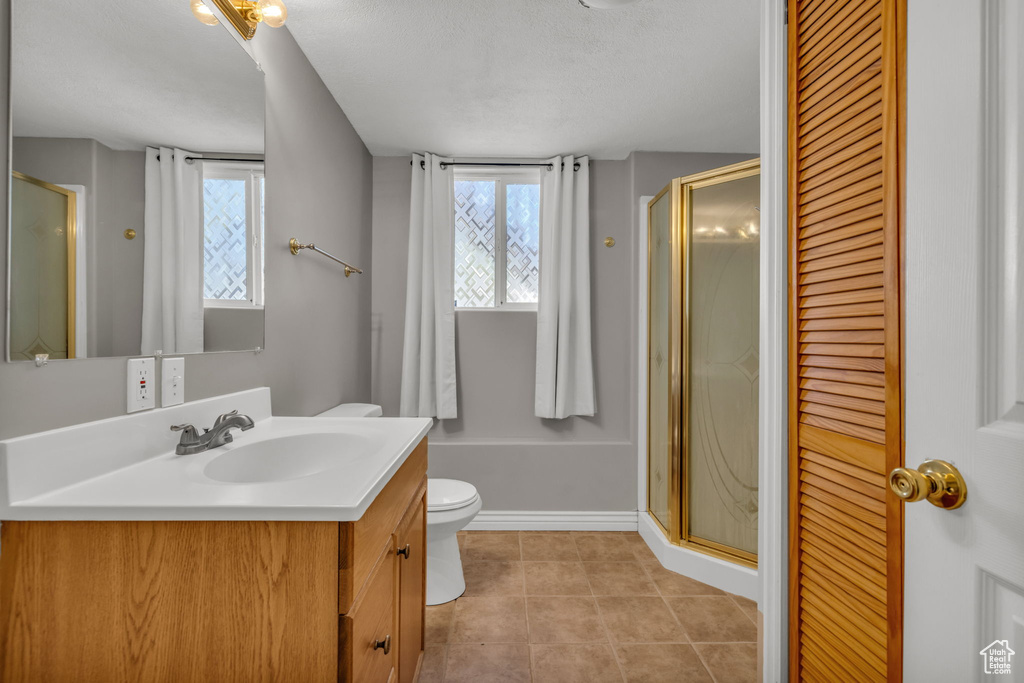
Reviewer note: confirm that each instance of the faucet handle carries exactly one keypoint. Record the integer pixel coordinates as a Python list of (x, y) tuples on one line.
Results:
[(190, 435), (224, 417)]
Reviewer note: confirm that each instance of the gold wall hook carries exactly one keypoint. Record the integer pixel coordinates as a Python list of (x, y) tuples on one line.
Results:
[(938, 481)]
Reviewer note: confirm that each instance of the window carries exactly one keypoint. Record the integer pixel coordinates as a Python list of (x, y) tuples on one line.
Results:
[(232, 235), (497, 238)]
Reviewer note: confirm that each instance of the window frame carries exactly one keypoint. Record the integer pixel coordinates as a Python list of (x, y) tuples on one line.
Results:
[(502, 176), (252, 174)]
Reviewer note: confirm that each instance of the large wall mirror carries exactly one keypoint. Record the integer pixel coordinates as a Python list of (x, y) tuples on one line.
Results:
[(136, 183)]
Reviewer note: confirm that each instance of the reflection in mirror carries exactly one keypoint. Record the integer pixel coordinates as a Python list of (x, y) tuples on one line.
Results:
[(136, 216)]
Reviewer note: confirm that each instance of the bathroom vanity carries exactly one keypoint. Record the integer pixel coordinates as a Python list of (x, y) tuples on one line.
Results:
[(137, 564)]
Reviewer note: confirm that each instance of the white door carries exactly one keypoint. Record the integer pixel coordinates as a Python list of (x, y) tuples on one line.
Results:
[(964, 572)]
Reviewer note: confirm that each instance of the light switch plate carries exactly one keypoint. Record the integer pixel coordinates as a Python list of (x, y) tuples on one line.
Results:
[(141, 384), (172, 381)]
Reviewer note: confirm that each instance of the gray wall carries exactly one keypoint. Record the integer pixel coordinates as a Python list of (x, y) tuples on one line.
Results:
[(318, 189), (115, 201), (516, 460), (231, 329)]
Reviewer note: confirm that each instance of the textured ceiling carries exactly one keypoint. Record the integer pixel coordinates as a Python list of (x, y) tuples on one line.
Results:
[(534, 78), (132, 73)]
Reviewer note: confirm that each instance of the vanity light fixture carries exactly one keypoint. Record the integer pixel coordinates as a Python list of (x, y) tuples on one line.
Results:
[(244, 15)]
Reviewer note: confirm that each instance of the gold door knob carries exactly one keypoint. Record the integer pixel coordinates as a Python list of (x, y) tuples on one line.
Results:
[(937, 480)]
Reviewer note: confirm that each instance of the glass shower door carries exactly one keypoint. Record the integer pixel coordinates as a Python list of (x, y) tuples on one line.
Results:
[(722, 397), (42, 269), (661, 407)]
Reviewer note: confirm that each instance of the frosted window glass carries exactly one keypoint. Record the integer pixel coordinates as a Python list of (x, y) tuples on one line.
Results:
[(522, 214), (474, 243), (224, 240)]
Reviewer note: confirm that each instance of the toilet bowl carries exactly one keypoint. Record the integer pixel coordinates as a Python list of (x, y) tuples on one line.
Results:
[(451, 505)]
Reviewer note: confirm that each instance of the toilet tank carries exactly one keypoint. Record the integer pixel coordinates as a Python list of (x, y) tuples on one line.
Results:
[(353, 410)]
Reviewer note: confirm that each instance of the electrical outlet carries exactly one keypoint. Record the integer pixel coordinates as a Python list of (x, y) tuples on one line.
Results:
[(141, 388), (172, 381)]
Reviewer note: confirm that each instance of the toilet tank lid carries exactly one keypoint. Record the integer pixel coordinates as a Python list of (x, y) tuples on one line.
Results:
[(353, 410), (449, 494)]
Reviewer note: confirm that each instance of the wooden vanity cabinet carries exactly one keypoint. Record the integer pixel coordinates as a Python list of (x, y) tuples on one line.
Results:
[(220, 600)]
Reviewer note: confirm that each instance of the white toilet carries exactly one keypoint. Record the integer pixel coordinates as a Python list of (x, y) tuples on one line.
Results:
[(451, 505)]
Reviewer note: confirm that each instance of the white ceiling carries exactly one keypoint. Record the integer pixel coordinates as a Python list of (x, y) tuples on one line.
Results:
[(132, 73), (535, 78)]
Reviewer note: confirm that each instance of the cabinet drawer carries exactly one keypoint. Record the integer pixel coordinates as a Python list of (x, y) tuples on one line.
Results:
[(370, 622), (362, 541)]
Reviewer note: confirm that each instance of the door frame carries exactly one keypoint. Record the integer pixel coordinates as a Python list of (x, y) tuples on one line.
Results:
[(773, 447)]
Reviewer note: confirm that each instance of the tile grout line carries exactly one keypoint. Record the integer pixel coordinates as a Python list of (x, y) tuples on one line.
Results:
[(604, 624), (736, 602), (707, 668), (526, 608), (451, 632)]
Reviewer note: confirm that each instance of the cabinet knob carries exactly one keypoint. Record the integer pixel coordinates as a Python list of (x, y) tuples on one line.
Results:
[(383, 645), (404, 551)]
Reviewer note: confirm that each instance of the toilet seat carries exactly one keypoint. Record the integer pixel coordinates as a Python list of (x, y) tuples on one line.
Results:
[(449, 494)]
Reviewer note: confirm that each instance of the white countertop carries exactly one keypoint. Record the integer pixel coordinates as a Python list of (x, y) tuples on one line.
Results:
[(363, 454)]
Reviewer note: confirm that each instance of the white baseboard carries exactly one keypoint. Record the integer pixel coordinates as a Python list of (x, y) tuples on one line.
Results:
[(530, 520)]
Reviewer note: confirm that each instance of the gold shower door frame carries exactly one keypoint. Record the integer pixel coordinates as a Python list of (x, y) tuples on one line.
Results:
[(72, 238), (681, 228)]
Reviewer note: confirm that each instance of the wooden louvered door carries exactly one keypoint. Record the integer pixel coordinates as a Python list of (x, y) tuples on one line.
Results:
[(846, 529)]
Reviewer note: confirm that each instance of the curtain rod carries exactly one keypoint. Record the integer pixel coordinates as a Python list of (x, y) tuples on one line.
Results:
[(446, 164), (189, 160)]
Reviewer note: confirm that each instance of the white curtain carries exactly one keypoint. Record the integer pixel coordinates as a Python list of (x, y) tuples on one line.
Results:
[(428, 360), (172, 294), (565, 368)]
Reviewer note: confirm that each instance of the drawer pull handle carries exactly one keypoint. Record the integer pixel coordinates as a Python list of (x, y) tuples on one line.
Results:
[(403, 551), (383, 645)]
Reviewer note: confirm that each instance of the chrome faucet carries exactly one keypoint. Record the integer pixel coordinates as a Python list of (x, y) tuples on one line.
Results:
[(193, 442)]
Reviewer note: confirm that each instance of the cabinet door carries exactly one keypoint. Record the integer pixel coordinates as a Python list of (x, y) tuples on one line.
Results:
[(412, 572)]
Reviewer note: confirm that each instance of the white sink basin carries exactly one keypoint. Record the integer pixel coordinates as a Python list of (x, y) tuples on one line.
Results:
[(284, 469), (287, 457)]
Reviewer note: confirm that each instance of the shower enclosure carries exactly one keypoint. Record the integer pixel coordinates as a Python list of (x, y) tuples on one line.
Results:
[(41, 311), (702, 417)]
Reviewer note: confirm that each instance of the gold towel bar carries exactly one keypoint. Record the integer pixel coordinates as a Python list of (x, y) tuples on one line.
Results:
[(296, 246)]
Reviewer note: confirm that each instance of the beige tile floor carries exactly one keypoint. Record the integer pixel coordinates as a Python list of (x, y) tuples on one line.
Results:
[(584, 607)]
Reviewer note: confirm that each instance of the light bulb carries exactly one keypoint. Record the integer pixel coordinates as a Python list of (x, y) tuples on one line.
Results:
[(274, 12), (203, 13)]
